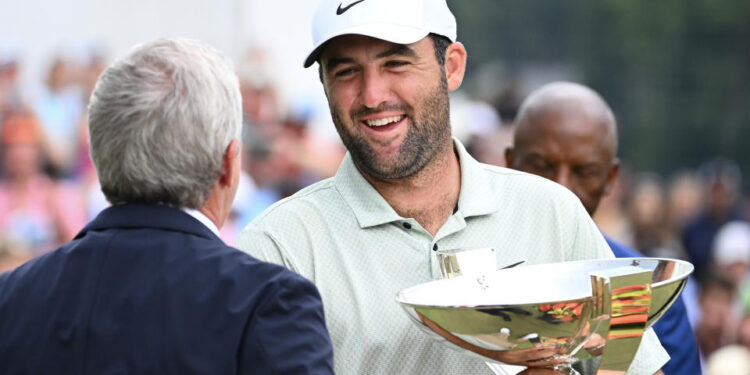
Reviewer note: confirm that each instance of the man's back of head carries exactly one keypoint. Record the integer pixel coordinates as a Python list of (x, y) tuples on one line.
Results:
[(160, 120)]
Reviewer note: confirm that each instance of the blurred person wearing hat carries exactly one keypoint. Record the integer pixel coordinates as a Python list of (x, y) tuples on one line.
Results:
[(567, 133), (11, 100), (731, 251), (722, 180), (406, 189), (148, 286), (731, 259), (36, 212), (729, 360)]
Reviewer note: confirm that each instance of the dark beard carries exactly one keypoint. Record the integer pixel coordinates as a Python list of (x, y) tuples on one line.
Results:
[(429, 132)]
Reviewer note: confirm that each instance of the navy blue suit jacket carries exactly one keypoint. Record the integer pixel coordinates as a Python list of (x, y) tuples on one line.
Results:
[(673, 328), (148, 289)]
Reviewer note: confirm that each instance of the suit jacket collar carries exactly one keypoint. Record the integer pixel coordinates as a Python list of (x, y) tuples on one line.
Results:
[(147, 216)]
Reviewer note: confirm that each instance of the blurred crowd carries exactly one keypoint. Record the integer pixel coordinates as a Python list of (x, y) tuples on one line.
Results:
[(49, 188), (48, 185), (699, 216)]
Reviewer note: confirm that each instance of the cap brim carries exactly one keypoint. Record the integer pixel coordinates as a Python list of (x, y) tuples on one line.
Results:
[(388, 32)]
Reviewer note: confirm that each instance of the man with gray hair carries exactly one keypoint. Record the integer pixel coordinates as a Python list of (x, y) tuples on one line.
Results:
[(148, 286)]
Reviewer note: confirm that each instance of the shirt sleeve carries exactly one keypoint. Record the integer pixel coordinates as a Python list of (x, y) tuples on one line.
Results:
[(263, 246), (286, 333)]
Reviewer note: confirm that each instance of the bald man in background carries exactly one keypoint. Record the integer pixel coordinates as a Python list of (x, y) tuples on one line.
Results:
[(565, 132)]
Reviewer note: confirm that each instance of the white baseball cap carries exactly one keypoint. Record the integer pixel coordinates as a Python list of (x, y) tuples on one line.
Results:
[(396, 21), (732, 243)]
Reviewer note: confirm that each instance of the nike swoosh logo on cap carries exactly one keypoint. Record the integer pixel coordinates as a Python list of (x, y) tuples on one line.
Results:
[(340, 10)]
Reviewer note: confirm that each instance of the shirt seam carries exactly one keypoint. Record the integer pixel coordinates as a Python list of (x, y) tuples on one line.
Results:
[(324, 185)]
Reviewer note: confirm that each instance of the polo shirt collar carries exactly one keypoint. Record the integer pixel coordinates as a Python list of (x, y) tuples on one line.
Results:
[(371, 209), (477, 196)]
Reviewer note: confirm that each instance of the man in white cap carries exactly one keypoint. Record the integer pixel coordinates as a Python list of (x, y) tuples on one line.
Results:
[(407, 189)]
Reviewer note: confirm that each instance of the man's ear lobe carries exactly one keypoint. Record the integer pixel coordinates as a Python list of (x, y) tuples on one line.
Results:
[(614, 170), (509, 156), (455, 65), (228, 161)]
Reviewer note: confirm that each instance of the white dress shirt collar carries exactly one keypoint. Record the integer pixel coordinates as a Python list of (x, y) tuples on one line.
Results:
[(200, 216)]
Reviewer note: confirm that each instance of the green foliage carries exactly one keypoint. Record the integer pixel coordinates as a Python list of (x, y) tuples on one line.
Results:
[(676, 72)]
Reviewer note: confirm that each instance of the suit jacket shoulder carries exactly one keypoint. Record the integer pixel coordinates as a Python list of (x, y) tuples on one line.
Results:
[(149, 289)]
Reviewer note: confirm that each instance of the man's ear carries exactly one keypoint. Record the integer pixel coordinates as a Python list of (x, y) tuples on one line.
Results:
[(455, 65), (229, 162), (614, 170), (509, 157)]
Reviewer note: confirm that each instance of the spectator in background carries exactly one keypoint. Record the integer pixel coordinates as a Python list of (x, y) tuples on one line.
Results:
[(743, 331), (261, 109), (60, 109), (565, 132), (722, 179), (478, 125), (282, 154), (611, 214), (87, 76), (648, 212), (36, 212), (312, 158), (484, 147), (685, 199), (716, 320), (722, 328), (731, 252), (10, 258), (729, 360)]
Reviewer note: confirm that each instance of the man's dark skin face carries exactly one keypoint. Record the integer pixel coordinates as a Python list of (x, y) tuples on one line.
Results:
[(566, 133), (569, 142)]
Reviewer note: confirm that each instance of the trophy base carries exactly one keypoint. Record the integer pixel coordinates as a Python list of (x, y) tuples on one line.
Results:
[(566, 367)]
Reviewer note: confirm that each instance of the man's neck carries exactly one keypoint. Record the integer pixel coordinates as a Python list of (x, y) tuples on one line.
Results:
[(429, 196)]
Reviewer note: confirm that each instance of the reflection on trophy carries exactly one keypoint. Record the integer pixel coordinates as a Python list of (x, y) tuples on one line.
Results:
[(549, 314)]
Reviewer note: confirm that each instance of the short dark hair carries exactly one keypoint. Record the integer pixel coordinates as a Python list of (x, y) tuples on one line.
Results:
[(439, 43)]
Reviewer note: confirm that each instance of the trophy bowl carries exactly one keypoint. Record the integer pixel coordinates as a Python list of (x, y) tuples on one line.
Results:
[(549, 312)]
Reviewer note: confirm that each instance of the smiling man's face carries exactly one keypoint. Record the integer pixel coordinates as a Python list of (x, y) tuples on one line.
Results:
[(389, 103)]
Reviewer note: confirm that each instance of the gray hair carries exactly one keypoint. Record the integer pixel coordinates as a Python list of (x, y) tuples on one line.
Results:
[(160, 120)]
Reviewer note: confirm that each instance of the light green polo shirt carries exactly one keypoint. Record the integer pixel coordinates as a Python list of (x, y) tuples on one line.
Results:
[(341, 234)]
